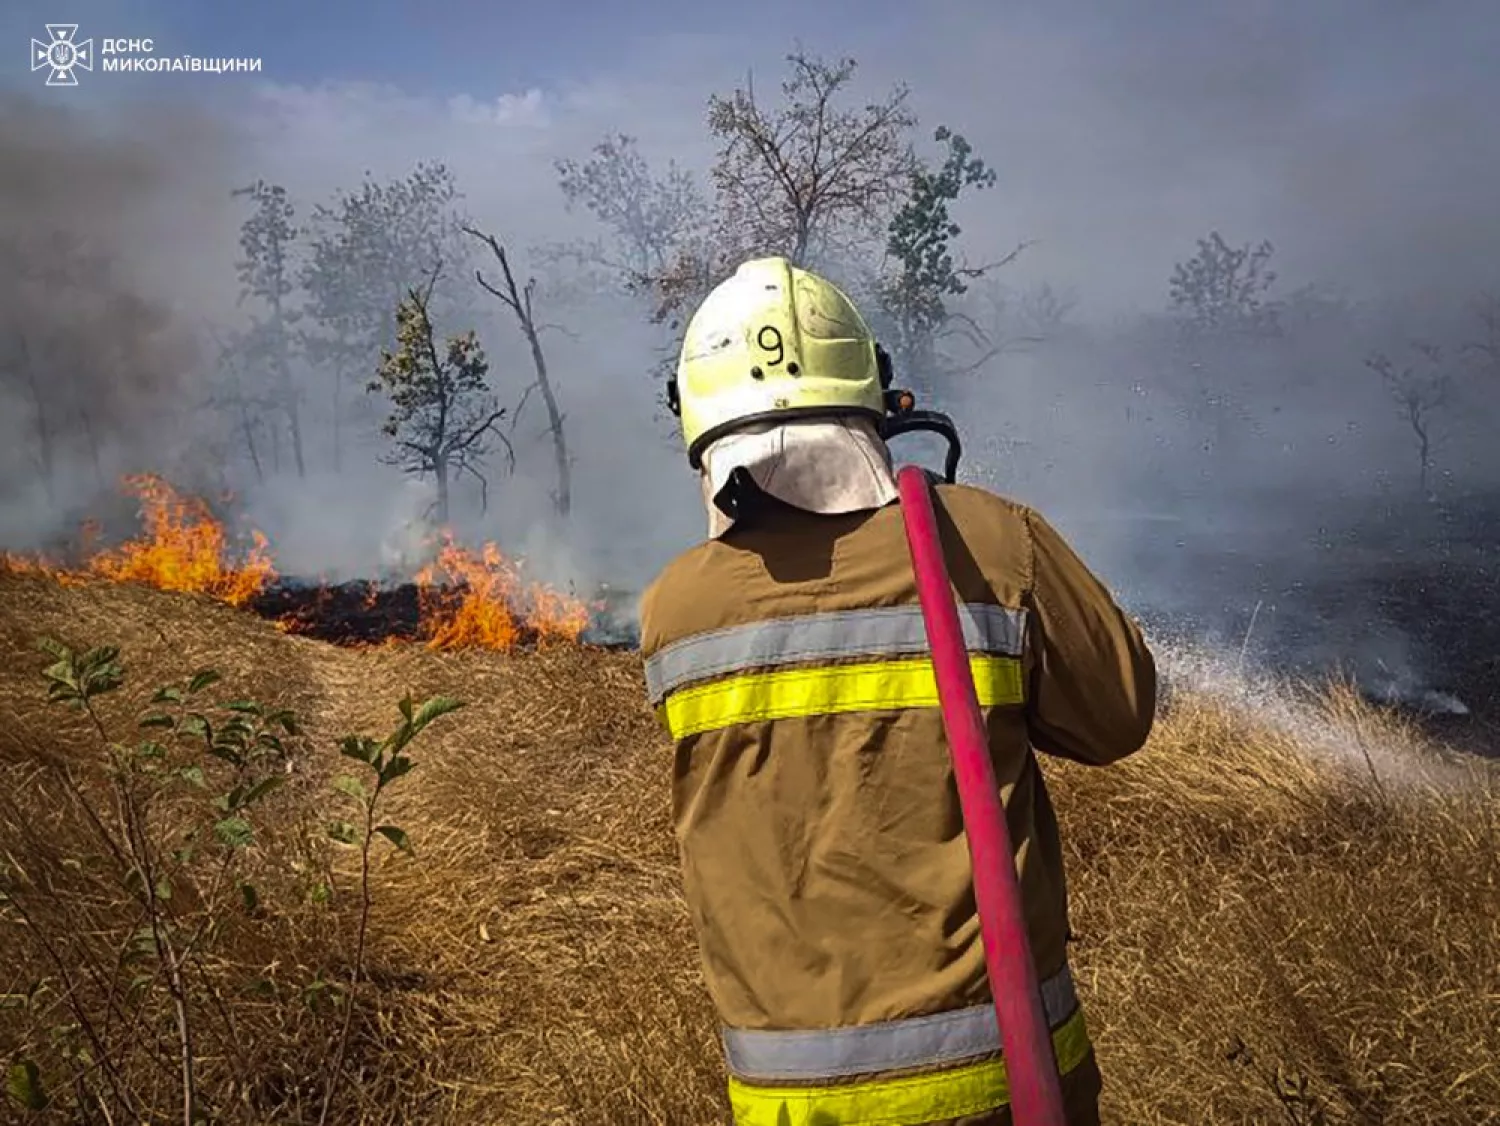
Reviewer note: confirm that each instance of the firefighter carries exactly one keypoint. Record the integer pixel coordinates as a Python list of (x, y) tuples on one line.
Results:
[(817, 819)]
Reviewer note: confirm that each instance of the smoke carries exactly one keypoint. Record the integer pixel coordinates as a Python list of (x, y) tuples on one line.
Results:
[(1261, 494), (96, 354)]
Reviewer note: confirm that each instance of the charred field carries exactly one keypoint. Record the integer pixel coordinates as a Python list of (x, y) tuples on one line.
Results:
[(369, 612), (1400, 599)]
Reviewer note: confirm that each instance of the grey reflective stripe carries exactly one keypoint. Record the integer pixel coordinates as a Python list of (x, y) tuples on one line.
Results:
[(836, 1053), (892, 631)]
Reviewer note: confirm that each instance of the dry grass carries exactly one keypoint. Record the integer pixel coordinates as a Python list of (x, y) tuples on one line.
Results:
[(1272, 926)]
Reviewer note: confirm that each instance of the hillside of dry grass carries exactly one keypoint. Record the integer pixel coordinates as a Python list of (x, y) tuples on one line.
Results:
[(1287, 912)]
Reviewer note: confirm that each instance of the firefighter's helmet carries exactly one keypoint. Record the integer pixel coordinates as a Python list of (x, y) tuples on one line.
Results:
[(774, 341)]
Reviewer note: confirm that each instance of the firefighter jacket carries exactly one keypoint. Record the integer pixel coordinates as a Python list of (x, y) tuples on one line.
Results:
[(815, 809)]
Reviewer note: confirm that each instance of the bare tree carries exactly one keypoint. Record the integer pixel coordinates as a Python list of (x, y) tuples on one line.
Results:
[(1419, 390), (519, 300), (443, 414), (1044, 310), (810, 174), (1486, 349)]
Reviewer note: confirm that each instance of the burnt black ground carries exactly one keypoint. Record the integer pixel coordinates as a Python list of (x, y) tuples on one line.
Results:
[(352, 613), (363, 613), (1405, 599)]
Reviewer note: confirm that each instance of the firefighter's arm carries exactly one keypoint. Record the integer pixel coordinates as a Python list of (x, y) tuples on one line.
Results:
[(1092, 691)]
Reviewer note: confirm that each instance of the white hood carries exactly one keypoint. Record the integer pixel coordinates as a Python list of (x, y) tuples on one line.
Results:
[(823, 465)]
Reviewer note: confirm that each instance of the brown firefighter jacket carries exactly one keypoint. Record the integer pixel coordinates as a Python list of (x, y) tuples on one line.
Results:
[(819, 828)]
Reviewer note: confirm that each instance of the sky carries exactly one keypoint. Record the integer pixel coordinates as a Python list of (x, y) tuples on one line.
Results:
[(1121, 131), (1355, 134)]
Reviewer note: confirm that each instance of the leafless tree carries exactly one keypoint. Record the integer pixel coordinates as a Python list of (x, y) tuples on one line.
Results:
[(1486, 348), (1419, 389), (809, 173), (518, 299)]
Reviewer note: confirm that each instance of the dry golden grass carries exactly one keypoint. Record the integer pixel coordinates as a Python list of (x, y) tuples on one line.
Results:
[(1273, 927)]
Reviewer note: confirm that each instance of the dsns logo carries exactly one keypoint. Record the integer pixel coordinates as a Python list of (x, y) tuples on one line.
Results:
[(62, 54)]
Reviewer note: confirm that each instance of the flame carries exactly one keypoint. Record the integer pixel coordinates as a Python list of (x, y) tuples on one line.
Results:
[(481, 601), (183, 549), (37, 565), (465, 599)]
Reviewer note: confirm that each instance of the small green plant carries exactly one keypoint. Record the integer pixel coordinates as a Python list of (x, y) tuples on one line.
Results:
[(134, 916), (159, 850), (385, 762)]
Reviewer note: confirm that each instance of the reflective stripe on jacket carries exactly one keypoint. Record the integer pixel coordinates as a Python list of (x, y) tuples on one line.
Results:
[(950, 1066), (819, 828)]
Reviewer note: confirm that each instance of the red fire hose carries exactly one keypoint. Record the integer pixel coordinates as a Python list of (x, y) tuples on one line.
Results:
[(1036, 1094)]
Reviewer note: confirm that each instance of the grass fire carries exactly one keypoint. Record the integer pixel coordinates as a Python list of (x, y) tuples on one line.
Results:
[(463, 598), (1286, 908), (351, 397)]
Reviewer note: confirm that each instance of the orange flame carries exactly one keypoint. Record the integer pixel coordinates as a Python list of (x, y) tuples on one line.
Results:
[(36, 565), (465, 599), (183, 549), (483, 602)]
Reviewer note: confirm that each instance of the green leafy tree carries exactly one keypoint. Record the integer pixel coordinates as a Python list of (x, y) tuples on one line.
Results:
[(649, 216), (268, 275), (1222, 290), (367, 249), (443, 415), (915, 297)]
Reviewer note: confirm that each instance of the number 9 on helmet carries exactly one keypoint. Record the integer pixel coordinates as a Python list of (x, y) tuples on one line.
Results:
[(774, 342)]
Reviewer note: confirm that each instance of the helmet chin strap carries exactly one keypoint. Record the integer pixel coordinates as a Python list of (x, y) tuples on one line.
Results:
[(904, 418), (741, 496)]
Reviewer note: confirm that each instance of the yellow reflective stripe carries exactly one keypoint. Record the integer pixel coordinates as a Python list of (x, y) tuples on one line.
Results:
[(830, 690), (908, 1101), (882, 632)]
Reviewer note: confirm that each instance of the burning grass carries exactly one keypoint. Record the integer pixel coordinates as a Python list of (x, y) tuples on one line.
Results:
[(1278, 921), (463, 599)]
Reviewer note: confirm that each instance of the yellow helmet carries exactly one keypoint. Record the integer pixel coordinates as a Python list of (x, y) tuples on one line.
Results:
[(774, 341)]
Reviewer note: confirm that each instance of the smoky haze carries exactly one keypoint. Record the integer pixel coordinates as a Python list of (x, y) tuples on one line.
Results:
[(1263, 493)]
